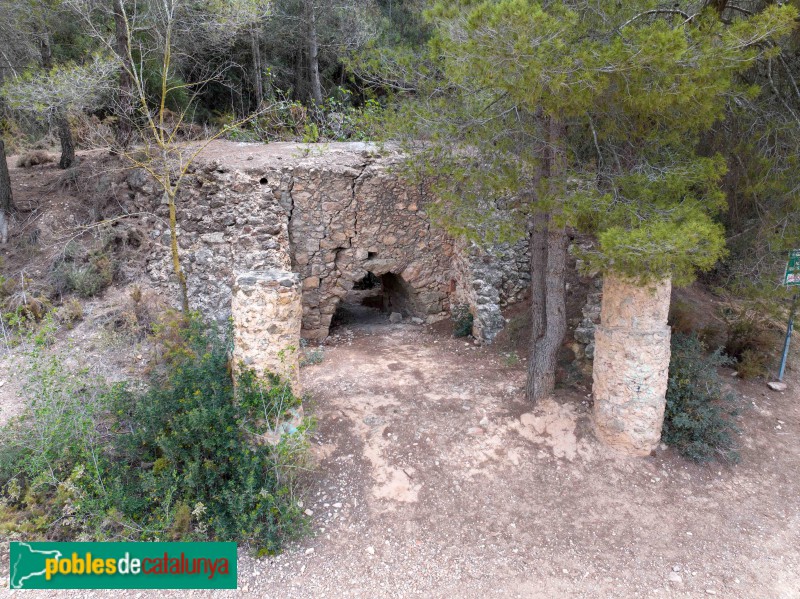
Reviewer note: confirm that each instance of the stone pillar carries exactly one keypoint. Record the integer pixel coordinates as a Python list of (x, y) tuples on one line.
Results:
[(267, 312), (631, 364)]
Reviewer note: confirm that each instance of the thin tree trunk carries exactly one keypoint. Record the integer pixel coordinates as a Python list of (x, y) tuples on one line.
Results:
[(46, 52), (6, 198), (546, 358), (258, 69), (60, 118), (67, 143), (548, 267), (123, 131), (555, 296), (299, 76), (176, 258), (538, 264), (313, 54)]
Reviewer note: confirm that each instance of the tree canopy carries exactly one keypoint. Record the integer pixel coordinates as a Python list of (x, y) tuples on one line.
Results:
[(634, 85)]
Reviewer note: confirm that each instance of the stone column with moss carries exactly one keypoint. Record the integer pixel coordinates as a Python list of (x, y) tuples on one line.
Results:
[(267, 312), (631, 364)]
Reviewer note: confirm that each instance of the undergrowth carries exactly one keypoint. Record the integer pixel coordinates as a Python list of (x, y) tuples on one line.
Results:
[(191, 456), (699, 417), (751, 342), (462, 321), (309, 356), (86, 272)]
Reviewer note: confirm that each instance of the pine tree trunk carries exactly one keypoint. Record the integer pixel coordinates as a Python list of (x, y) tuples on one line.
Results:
[(6, 198), (545, 360), (538, 264), (313, 54), (548, 245), (123, 131), (67, 143)]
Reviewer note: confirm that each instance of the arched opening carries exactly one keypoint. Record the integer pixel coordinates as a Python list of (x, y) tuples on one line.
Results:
[(373, 299), (363, 304)]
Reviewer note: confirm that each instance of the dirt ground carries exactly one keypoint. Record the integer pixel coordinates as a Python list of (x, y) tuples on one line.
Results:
[(436, 479)]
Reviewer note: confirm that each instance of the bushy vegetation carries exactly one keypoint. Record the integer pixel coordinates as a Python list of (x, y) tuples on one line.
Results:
[(699, 419), (751, 343), (309, 356), (190, 457), (462, 321), (22, 300)]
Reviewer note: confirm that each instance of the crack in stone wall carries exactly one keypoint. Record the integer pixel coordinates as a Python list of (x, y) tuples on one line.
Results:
[(330, 214)]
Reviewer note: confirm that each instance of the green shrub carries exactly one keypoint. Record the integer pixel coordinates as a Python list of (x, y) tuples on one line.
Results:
[(699, 417), (61, 406), (712, 334), (310, 356), (191, 457), (751, 364), (208, 445), (70, 313), (462, 321), (749, 333), (57, 441), (22, 301), (336, 120), (310, 133)]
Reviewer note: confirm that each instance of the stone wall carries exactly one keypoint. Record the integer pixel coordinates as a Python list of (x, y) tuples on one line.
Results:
[(584, 332), (490, 279), (352, 219), (331, 213), (277, 235), (267, 309), (228, 223)]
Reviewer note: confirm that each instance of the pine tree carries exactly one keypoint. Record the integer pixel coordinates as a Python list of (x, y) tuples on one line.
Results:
[(541, 115)]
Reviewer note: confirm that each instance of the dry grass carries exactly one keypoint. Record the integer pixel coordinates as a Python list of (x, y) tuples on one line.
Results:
[(34, 158)]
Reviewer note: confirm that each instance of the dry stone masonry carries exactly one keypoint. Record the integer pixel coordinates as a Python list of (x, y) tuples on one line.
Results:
[(278, 236), (352, 218), (267, 308), (252, 216), (631, 364), (492, 278), (584, 332)]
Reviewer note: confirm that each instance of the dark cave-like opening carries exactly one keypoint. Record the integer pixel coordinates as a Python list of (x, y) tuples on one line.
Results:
[(373, 298)]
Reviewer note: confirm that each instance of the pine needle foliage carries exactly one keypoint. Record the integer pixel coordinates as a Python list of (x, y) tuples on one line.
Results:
[(634, 84)]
